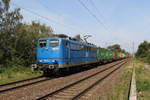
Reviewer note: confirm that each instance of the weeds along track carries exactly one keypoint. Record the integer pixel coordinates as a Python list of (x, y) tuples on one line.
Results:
[(78, 88), (22, 83), (11, 83)]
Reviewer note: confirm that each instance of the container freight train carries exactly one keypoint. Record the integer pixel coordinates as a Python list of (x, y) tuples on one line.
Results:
[(54, 54)]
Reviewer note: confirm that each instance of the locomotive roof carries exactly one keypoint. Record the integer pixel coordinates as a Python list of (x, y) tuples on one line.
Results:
[(74, 41)]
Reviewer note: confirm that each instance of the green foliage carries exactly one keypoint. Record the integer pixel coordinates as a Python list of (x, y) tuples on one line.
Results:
[(143, 52), (143, 80), (143, 85), (6, 4), (78, 37), (61, 35), (17, 39), (15, 73), (8, 21), (121, 89), (116, 47), (25, 44)]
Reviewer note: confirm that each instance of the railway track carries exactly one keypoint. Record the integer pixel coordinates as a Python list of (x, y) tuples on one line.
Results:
[(78, 88), (22, 83)]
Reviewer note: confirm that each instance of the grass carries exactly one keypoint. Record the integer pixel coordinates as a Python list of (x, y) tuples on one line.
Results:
[(119, 91), (16, 73), (143, 80)]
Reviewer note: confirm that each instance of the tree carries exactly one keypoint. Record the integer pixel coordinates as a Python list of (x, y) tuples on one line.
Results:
[(61, 35), (26, 42), (8, 21), (115, 47), (78, 37), (18, 40), (143, 51)]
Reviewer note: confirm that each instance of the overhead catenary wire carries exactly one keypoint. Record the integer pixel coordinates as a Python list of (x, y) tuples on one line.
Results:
[(99, 12), (46, 7), (108, 26), (93, 15), (48, 19), (42, 3)]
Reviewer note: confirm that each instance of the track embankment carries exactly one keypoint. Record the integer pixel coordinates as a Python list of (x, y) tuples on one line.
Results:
[(72, 86)]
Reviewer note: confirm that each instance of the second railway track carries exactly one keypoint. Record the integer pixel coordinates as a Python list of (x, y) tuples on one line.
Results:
[(21, 83), (79, 87)]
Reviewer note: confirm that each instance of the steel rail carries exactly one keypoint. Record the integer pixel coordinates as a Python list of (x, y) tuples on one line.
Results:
[(74, 83), (11, 83), (24, 85), (95, 83)]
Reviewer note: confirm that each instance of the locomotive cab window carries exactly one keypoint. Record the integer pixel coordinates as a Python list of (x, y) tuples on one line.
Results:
[(42, 43), (54, 43)]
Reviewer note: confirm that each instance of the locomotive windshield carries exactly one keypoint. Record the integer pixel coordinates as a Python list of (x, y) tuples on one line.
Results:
[(42, 43), (54, 43)]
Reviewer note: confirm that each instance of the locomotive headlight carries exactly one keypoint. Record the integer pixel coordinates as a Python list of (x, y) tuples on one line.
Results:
[(40, 60), (54, 49), (53, 61), (46, 48)]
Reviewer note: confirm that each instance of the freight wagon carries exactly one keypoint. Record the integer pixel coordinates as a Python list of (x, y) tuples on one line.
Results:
[(105, 55)]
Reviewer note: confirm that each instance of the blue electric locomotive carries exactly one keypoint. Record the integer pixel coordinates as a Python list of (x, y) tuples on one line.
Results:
[(54, 54)]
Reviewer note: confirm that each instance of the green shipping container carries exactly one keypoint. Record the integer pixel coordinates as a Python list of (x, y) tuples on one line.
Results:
[(124, 55), (104, 54), (101, 53)]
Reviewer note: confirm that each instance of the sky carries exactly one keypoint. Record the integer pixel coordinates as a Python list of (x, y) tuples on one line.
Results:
[(124, 22)]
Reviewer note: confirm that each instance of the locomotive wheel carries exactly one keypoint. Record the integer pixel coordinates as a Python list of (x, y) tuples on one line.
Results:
[(48, 72)]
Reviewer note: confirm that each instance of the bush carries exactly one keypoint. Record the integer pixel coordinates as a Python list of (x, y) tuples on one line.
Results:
[(143, 52), (13, 73), (143, 85)]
